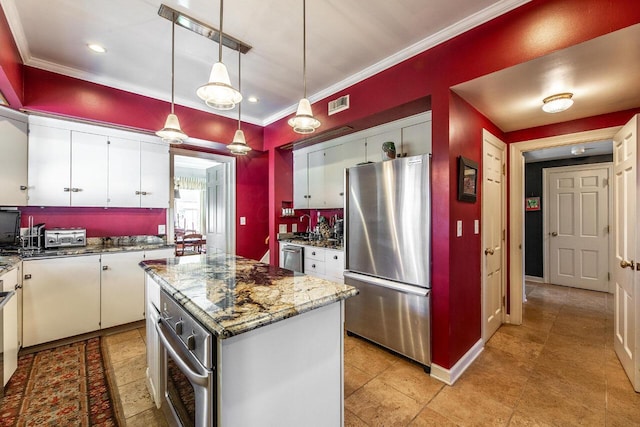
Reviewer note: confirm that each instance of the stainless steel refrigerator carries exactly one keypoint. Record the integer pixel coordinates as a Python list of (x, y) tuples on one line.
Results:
[(387, 236)]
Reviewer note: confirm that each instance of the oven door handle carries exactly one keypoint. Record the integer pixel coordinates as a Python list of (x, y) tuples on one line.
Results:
[(194, 377)]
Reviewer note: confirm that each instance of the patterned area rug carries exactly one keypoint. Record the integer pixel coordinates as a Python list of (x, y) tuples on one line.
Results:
[(63, 386)]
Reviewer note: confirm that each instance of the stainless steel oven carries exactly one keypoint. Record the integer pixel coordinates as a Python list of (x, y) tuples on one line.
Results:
[(187, 367)]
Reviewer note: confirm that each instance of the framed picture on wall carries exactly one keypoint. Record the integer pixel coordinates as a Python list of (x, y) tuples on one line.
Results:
[(467, 180), (532, 204)]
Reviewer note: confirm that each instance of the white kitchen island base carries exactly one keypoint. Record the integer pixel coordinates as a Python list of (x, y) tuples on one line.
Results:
[(289, 373)]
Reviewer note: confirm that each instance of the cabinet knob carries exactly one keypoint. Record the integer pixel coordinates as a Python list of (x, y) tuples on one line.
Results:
[(105, 267), (342, 193), (335, 257), (313, 266), (137, 193), (16, 287), (313, 253), (67, 189), (144, 193), (23, 187), (27, 276)]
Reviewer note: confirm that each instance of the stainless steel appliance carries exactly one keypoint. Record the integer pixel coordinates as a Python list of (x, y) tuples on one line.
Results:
[(292, 258), (65, 237), (4, 299), (187, 363), (387, 238), (9, 228)]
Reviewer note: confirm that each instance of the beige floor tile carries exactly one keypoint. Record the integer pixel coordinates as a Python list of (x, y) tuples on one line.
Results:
[(354, 378), (125, 350), (135, 398), (411, 380), (469, 407), (430, 418), (352, 420), (149, 418), (377, 404), (130, 370), (122, 336), (517, 347), (370, 358), (520, 420)]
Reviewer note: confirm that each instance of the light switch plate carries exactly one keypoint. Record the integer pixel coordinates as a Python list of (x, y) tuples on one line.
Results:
[(476, 226), (162, 229), (459, 228), (243, 220), (294, 228), (282, 228)]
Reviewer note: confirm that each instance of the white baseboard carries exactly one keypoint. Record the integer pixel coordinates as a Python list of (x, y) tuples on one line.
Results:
[(534, 279), (450, 376)]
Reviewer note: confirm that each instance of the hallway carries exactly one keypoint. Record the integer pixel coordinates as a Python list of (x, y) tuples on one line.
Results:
[(558, 368)]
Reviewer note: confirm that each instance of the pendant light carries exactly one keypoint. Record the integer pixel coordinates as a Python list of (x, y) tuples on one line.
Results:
[(239, 145), (218, 92), (304, 122), (171, 131)]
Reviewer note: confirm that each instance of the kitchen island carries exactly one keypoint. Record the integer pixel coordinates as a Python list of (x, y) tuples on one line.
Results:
[(278, 337)]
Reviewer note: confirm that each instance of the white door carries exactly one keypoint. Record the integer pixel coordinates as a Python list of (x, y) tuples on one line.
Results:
[(493, 233), (625, 275), (217, 209), (89, 169), (578, 226)]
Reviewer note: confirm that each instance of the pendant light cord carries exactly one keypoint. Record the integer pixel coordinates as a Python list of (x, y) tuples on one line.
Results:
[(173, 46), (239, 85), (304, 45), (220, 35)]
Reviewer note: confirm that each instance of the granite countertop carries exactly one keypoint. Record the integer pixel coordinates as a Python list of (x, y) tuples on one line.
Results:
[(8, 263), (101, 245), (231, 295), (317, 243)]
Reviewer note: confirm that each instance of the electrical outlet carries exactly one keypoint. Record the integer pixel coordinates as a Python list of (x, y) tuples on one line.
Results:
[(243, 220), (162, 229), (476, 226), (459, 228), (294, 228)]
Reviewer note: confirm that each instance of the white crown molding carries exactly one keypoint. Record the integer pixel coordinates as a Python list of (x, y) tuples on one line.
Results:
[(471, 21), (13, 18)]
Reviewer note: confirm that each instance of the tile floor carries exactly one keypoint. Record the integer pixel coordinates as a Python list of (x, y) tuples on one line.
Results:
[(558, 368)]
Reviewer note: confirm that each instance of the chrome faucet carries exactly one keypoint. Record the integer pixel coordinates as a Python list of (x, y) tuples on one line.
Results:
[(309, 224)]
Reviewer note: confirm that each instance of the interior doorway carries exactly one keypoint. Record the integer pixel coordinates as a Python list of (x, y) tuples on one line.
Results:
[(202, 220)]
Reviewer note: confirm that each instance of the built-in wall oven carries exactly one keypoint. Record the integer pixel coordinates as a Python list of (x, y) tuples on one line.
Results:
[(187, 363)]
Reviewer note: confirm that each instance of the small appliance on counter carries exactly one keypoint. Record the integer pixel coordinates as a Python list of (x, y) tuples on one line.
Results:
[(65, 237)]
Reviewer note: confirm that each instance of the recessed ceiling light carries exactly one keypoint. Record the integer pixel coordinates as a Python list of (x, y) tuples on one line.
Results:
[(96, 48), (557, 103), (253, 99)]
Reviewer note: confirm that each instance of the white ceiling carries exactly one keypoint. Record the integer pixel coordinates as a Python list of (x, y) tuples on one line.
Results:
[(603, 74), (347, 41), (595, 148)]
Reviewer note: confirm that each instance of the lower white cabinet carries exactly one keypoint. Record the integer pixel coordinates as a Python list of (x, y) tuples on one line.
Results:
[(334, 265), (122, 289), (153, 343), (11, 345), (61, 298), (324, 263)]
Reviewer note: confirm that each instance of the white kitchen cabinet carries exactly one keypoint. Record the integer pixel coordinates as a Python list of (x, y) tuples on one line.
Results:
[(13, 162), (300, 180), (334, 265), (89, 168), (153, 342), (121, 289), (374, 143), (325, 182), (416, 139), (49, 166), (61, 298), (354, 152), (324, 263), (154, 175), (315, 178), (11, 345)]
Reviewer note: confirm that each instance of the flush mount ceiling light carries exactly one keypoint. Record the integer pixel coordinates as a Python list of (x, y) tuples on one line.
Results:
[(576, 151), (96, 48), (218, 92), (557, 103), (239, 145), (253, 99), (171, 131), (304, 122)]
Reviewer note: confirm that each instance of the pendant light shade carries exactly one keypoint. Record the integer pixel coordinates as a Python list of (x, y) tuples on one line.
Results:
[(171, 131), (304, 122), (218, 92), (239, 145)]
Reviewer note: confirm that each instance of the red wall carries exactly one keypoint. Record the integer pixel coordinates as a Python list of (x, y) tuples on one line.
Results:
[(11, 83), (533, 30), (99, 222)]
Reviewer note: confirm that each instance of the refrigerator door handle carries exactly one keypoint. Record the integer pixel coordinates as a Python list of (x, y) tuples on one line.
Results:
[(409, 289)]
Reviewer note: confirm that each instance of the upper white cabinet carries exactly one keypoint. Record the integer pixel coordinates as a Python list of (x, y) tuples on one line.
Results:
[(73, 164), (13, 162), (318, 170)]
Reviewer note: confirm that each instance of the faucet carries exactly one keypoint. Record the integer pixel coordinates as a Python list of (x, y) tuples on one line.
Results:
[(309, 224)]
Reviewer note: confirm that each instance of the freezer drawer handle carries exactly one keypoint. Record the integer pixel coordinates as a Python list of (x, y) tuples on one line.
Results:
[(410, 289)]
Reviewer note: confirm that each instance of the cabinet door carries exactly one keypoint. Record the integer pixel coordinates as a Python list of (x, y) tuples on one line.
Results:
[(89, 160), (61, 298), (124, 173), (374, 144), (315, 174), (334, 265), (122, 289), (154, 175), (49, 166), (313, 267), (334, 178), (416, 139), (300, 180), (354, 152), (9, 282), (13, 162)]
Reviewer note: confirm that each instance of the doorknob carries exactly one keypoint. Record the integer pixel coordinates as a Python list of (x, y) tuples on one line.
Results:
[(489, 251), (554, 234), (625, 264)]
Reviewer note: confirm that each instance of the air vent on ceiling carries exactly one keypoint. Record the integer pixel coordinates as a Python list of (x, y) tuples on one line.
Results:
[(339, 104)]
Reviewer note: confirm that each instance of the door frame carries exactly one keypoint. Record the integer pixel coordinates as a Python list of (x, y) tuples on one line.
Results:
[(494, 140), (230, 196), (545, 213), (516, 205)]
